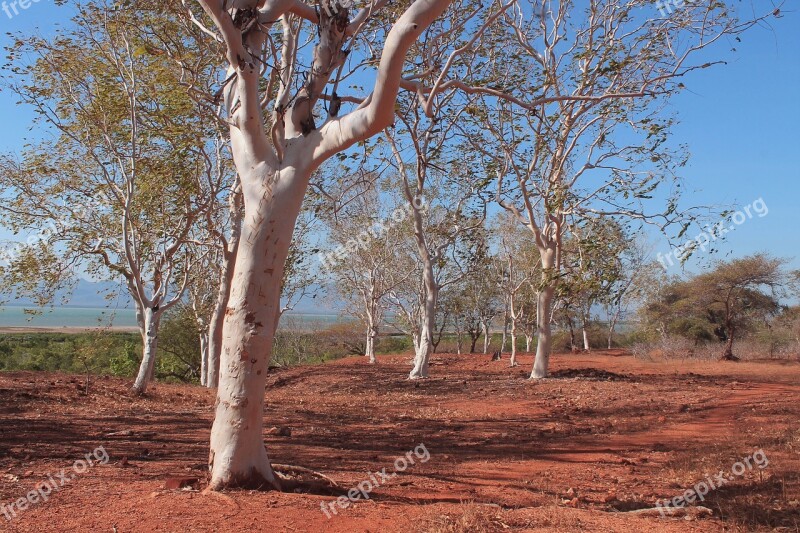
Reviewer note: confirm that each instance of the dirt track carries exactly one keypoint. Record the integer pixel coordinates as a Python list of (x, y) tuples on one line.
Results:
[(607, 434)]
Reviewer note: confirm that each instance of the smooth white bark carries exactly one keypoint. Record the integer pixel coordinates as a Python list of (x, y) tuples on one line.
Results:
[(274, 172), (217, 320), (427, 324), (372, 334), (203, 357), (237, 456), (544, 302), (151, 321)]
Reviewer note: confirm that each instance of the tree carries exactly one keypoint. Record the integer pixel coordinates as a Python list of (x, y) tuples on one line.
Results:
[(462, 300), (517, 267), (587, 135), (420, 161), (789, 321), (593, 266), (737, 293), (117, 191), (630, 287), (472, 299), (365, 263), (723, 303), (275, 157), (180, 347)]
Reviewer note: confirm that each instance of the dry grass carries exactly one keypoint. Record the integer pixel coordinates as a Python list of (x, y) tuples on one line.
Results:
[(471, 518)]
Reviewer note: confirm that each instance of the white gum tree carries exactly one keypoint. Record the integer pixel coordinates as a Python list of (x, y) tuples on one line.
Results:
[(366, 235), (517, 267), (116, 192), (445, 212), (275, 154), (596, 139)]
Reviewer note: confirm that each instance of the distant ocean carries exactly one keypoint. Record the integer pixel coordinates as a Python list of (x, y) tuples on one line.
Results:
[(93, 317)]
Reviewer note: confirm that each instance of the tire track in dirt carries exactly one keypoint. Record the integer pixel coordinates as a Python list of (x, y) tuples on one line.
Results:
[(713, 422)]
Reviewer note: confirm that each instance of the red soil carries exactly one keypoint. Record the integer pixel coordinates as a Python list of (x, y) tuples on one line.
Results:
[(607, 434)]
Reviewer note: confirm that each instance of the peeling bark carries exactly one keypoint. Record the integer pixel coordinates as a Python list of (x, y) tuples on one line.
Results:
[(238, 457)]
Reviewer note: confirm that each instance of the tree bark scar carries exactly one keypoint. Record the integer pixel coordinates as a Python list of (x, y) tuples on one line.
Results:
[(307, 125)]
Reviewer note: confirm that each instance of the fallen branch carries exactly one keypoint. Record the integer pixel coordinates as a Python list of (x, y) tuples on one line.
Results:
[(673, 512), (282, 469)]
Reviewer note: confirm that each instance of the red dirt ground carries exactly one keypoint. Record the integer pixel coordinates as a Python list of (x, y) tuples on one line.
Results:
[(607, 434)]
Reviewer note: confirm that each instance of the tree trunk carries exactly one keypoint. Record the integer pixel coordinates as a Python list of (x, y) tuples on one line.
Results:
[(372, 333), (237, 457), (571, 326), (203, 358), (473, 342), (727, 354), (415, 340), (218, 319), (585, 314), (369, 349), (544, 300), (514, 319), (437, 339), (427, 325), (151, 320), (485, 327), (513, 344), (528, 340), (428, 311), (504, 340)]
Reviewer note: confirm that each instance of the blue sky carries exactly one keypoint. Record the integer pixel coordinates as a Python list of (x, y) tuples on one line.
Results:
[(740, 122)]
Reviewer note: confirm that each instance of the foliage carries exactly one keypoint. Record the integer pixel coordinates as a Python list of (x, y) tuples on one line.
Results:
[(179, 346), (734, 298), (103, 352)]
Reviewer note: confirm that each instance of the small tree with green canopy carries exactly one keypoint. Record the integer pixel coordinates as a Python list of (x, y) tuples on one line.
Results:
[(737, 294), (722, 304)]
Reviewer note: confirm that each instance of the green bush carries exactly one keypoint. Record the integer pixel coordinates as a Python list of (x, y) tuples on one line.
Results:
[(178, 353), (98, 352)]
